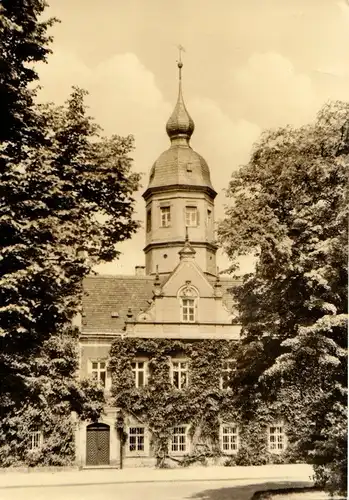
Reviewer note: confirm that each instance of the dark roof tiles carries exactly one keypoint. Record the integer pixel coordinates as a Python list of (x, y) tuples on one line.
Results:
[(106, 295)]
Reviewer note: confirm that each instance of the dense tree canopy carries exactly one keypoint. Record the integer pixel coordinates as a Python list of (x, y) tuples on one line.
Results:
[(65, 202), (289, 209)]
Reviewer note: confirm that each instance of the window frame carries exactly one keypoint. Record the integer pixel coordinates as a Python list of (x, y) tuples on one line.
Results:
[(189, 220), (223, 434), (137, 451), (137, 370), (186, 309), (97, 371), (228, 371), (148, 220), (180, 371), (36, 439), (277, 451), (186, 440), (188, 293), (165, 221)]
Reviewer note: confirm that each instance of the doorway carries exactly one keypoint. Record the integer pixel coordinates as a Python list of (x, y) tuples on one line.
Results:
[(97, 444)]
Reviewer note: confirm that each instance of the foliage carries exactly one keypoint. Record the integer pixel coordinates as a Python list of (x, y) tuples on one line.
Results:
[(23, 42), (289, 208), (65, 202), (202, 405)]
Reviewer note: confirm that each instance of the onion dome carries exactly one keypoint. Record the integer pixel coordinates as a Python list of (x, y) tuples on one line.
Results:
[(180, 164), (180, 123)]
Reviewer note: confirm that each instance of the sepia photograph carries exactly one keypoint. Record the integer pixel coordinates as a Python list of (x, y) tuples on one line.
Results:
[(174, 249)]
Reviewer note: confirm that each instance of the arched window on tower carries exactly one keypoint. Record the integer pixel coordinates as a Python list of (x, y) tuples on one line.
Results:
[(188, 299)]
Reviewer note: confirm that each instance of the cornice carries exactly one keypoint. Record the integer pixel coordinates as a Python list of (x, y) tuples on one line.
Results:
[(179, 187)]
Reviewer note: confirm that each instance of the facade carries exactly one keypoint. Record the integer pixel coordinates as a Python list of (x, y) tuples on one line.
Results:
[(161, 342)]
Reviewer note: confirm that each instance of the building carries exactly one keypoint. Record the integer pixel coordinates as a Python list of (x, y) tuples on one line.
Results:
[(144, 333)]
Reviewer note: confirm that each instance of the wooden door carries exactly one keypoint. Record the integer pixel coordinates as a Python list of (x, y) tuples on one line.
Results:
[(97, 444)]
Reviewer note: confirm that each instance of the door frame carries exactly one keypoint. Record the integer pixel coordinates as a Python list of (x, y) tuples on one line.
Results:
[(97, 426)]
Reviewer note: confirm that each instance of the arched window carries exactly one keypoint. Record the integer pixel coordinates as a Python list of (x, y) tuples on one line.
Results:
[(188, 297)]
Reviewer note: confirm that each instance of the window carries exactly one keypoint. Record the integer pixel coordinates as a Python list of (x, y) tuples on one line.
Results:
[(227, 372), (36, 439), (229, 438), (209, 220), (179, 440), (139, 372), (148, 221), (191, 216), (165, 216), (136, 438), (99, 372), (188, 310), (188, 297), (180, 374), (277, 438)]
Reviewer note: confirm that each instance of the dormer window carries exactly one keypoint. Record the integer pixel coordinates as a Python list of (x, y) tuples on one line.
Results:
[(191, 216), (188, 297), (165, 216)]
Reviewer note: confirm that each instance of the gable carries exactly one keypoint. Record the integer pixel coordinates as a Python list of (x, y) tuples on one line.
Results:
[(187, 270)]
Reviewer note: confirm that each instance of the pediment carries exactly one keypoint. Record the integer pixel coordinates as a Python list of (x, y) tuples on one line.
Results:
[(187, 274)]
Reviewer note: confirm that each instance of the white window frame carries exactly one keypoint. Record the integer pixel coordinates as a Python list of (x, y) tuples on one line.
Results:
[(95, 372), (176, 443), (191, 216), (36, 439), (228, 370), (130, 435), (188, 312), (279, 438), (165, 216), (136, 370), (231, 431), (180, 370)]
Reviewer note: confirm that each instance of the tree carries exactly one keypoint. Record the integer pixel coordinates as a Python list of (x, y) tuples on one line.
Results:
[(23, 42), (289, 209), (65, 202)]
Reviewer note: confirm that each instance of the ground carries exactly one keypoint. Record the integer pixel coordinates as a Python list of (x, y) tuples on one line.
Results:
[(183, 490), (308, 495), (196, 483)]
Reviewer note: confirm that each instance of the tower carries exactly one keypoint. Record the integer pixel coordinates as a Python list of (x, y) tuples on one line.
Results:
[(179, 199)]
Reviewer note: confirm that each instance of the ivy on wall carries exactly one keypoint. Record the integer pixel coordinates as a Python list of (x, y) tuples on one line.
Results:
[(202, 405), (56, 392)]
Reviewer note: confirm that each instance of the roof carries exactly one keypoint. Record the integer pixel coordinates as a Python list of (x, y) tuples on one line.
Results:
[(106, 295), (180, 165)]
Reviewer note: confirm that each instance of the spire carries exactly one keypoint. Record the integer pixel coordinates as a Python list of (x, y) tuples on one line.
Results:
[(180, 125)]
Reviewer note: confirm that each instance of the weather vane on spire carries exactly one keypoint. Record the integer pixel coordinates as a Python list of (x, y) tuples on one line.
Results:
[(180, 50)]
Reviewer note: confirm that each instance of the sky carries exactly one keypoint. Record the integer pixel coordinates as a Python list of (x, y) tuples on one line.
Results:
[(249, 65)]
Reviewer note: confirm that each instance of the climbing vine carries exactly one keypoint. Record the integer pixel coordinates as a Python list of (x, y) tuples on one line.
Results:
[(203, 405)]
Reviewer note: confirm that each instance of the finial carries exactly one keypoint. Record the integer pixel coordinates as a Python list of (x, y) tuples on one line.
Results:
[(187, 250), (129, 312), (180, 125), (179, 62)]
